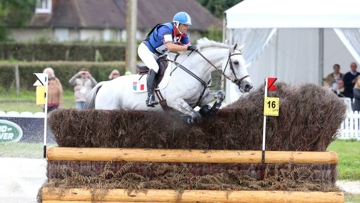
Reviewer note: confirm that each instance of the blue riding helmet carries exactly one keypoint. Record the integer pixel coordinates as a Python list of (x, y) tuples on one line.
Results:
[(182, 18)]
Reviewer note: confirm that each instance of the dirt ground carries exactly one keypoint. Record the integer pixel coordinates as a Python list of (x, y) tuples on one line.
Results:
[(20, 180), (349, 186)]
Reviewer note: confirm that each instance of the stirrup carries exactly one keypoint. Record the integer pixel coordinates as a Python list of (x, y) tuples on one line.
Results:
[(151, 102)]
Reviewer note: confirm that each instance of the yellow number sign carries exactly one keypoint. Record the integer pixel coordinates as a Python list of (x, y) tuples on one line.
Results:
[(271, 106), (40, 95)]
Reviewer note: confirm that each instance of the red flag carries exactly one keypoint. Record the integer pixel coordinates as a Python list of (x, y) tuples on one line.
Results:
[(271, 86)]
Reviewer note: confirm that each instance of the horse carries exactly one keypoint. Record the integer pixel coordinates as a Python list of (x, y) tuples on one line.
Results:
[(189, 74)]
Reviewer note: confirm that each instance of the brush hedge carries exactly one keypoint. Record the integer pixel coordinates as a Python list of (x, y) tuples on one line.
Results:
[(309, 118)]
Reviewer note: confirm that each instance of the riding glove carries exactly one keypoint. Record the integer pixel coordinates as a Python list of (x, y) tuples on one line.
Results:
[(191, 48)]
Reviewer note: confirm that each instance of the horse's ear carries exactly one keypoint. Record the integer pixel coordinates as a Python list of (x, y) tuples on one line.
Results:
[(235, 46), (242, 47)]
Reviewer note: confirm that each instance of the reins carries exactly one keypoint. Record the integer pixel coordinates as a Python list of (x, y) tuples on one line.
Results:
[(236, 80), (192, 74)]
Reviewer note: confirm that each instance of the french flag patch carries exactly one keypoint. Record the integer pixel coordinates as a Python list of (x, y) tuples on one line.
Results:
[(138, 86)]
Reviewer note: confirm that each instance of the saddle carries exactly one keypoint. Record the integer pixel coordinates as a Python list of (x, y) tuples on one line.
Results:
[(163, 63)]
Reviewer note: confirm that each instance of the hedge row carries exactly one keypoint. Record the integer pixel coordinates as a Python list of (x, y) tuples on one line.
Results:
[(63, 70), (61, 52)]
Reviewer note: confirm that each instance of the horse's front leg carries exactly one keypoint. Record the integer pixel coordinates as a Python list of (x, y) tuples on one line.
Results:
[(206, 110), (183, 107)]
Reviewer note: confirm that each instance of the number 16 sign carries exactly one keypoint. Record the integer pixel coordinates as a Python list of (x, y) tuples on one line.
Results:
[(271, 106)]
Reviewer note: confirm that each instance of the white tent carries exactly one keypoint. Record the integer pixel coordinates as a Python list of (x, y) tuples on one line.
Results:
[(294, 40)]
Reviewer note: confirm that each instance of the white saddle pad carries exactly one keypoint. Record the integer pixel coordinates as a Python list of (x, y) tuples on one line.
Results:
[(139, 84)]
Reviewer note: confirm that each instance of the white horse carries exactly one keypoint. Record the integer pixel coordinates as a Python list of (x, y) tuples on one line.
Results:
[(186, 87)]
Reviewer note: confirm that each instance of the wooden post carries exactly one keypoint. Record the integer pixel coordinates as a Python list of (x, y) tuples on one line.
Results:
[(131, 29), (189, 156), (122, 195), (60, 201), (17, 79), (97, 55), (67, 52)]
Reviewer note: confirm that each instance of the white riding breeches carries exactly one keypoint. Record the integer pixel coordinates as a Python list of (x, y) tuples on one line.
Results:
[(148, 57)]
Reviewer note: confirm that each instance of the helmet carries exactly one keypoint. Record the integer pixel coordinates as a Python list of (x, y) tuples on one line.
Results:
[(182, 18)]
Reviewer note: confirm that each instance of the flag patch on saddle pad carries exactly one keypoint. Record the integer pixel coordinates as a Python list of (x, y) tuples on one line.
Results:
[(139, 86)]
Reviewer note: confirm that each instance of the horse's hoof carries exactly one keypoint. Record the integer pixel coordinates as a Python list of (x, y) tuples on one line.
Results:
[(205, 111), (188, 120), (220, 96), (196, 118)]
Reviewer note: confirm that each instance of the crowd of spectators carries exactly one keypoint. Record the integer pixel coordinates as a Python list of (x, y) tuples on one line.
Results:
[(82, 81), (345, 85)]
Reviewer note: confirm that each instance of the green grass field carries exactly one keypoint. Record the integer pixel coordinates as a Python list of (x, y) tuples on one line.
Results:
[(352, 198), (26, 101), (349, 158)]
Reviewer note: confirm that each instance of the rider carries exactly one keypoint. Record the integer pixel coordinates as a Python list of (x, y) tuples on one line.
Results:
[(161, 39)]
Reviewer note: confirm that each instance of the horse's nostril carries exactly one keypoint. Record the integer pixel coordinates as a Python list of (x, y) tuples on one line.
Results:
[(248, 87)]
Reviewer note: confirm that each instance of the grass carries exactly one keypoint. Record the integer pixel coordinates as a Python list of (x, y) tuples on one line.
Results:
[(349, 158), (26, 101), (352, 198), (23, 150)]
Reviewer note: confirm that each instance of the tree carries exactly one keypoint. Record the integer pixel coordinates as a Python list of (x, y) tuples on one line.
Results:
[(14, 13), (217, 7)]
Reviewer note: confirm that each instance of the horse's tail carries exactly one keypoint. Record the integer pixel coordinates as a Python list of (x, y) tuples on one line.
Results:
[(90, 99)]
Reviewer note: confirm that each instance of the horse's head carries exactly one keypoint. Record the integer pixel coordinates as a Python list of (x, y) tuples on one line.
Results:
[(235, 70), (228, 58)]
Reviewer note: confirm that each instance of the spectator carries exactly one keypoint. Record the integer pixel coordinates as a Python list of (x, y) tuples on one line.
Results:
[(55, 92), (50, 72), (340, 90), (332, 78), (349, 79), (83, 83), (54, 95), (114, 74), (356, 106)]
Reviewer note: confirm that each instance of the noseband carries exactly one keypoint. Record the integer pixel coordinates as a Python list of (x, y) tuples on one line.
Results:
[(236, 80)]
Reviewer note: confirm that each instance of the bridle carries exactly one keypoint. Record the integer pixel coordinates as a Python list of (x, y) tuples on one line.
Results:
[(229, 61), (236, 80)]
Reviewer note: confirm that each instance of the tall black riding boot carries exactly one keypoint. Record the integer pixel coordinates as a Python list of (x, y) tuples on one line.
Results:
[(150, 88)]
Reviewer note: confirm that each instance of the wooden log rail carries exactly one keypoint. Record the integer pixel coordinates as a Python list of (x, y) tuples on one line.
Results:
[(189, 156), (122, 195)]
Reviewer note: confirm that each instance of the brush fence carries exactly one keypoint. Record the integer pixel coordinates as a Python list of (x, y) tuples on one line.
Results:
[(76, 195)]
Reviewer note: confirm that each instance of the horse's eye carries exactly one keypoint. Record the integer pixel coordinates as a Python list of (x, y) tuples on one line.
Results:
[(236, 62)]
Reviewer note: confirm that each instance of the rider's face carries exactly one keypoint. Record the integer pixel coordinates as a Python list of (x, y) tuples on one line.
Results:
[(183, 28)]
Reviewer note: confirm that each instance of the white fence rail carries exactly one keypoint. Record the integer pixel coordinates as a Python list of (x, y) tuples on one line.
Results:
[(22, 114), (350, 128)]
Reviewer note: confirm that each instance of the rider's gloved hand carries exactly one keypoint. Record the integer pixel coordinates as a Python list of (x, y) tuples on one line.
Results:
[(191, 48)]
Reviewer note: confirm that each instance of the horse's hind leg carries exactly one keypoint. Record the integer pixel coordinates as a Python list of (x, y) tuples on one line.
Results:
[(206, 110), (183, 107)]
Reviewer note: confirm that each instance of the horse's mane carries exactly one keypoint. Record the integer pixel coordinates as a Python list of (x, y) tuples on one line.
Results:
[(205, 43)]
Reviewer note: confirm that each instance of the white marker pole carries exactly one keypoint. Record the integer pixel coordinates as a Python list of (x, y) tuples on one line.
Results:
[(264, 125), (45, 107)]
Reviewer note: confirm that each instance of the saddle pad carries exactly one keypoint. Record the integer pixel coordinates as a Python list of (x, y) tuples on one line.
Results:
[(139, 83)]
